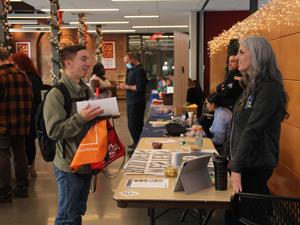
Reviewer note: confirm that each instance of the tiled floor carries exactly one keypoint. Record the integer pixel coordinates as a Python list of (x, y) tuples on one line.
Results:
[(40, 207)]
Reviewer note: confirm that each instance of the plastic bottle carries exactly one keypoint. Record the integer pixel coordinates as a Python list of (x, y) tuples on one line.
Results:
[(195, 120), (199, 137)]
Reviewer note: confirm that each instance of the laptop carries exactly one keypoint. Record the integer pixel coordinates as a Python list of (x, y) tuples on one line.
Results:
[(193, 175)]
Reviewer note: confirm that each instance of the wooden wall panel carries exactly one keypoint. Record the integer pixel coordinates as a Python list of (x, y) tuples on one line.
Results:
[(217, 70), (287, 52), (181, 71), (289, 147), (284, 182), (293, 89)]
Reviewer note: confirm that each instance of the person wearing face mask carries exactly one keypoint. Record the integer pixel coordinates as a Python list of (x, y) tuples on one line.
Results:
[(135, 86)]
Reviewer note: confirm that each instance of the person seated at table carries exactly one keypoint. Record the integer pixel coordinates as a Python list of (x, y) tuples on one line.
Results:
[(221, 125), (161, 86), (169, 80), (98, 80), (195, 95)]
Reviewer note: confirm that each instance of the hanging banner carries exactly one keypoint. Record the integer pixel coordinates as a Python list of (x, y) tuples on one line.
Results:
[(109, 55)]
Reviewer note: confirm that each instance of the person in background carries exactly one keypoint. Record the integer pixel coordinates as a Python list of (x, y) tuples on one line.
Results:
[(254, 141), (220, 128), (15, 107), (73, 188), (170, 82), (25, 64), (135, 87), (161, 86), (195, 95), (230, 89), (98, 80)]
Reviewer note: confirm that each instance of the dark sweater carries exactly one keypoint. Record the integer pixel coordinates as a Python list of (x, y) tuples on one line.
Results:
[(230, 89), (254, 141)]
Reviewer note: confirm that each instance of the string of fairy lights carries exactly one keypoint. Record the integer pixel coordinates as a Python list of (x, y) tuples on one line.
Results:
[(99, 43), (82, 29), (272, 15), (54, 36), (3, 22)]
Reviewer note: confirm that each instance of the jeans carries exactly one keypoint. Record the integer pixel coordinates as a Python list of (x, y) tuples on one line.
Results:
[(135, 116), (73, 191), (16, 144)]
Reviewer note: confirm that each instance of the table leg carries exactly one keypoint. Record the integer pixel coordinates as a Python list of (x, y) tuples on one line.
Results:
[(207, 217), (183, 214), (152, 216)]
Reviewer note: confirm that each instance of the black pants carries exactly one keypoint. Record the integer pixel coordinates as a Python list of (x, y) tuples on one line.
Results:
[(135, 116), (30, 148), (16, 144), (255, 180)]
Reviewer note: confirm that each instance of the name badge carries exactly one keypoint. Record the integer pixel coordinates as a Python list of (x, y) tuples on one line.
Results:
[(249, 102)]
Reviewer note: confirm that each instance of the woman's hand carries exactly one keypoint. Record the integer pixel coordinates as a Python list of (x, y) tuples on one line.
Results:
[(236, 181)]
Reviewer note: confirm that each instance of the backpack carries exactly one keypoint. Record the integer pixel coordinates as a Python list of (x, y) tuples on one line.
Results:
[(46, 144)]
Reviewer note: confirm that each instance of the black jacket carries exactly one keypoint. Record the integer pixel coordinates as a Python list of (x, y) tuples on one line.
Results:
[(254, 140), (136, 76), (230, 89)]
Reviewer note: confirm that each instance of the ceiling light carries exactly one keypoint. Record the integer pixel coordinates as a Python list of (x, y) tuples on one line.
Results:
[(13, 30), (16, 0), (142, 16), (28, 16), (145, 0), (68, 27), (11, 22), (166, 26), (83, 10), (113, 31), (133, 0), (107, 22), (35, 27)]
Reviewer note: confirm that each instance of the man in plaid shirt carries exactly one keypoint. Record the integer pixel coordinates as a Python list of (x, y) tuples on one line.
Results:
[(15, 109)]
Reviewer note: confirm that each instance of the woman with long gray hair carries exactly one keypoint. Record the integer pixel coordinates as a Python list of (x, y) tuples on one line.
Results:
[(254, 140)]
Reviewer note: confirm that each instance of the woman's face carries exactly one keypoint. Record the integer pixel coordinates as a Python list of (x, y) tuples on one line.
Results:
[(210, 106), (243, 58)]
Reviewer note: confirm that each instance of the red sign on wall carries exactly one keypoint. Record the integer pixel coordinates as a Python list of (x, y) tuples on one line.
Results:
[(109, 55)]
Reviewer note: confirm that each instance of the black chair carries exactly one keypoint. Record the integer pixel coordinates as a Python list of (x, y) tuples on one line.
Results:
[(255, 209)]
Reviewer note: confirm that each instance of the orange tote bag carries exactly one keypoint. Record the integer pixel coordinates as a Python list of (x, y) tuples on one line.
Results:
[(93, 147)]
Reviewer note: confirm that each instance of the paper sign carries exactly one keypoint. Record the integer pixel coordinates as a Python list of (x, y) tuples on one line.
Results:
[(109, 105), (129, 193), (147, 183)]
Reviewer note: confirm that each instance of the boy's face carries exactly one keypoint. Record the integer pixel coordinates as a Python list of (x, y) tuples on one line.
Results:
[(79, 65)]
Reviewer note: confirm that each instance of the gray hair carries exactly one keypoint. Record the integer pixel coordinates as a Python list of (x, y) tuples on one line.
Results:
[(263, 66)]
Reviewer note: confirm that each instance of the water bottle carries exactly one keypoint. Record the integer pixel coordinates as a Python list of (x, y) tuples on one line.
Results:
[(199, 137)]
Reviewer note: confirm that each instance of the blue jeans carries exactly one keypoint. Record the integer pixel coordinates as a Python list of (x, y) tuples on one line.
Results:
[(73, 191)]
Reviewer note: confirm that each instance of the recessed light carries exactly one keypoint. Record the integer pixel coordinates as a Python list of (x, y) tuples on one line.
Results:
[(28, 16), (142, 16), (113, 31), (83, 10), (11, 22), (13, 30), (161, 26), (103, 22)]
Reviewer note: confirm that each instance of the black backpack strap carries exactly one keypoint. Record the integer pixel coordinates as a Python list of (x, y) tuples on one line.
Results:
[(67, 97), (67, 106)]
